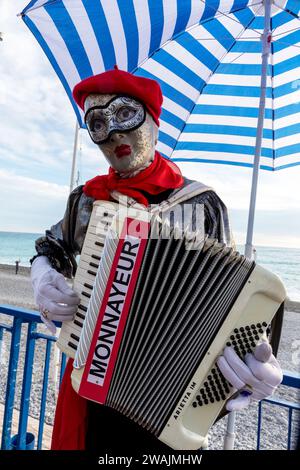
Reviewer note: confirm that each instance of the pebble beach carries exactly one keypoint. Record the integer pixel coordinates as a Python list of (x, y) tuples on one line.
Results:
[(15, 289)]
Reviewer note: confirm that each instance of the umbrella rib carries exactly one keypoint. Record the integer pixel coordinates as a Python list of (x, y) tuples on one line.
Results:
[(289, 30), (290, 12), (231, 12), (225, 37), (284, 32), (237, 57)]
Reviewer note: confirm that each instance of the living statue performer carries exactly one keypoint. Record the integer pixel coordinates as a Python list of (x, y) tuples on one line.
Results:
[(122, 117)]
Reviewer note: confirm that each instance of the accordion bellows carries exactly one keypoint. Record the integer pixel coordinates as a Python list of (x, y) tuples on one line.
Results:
[(161, 310)]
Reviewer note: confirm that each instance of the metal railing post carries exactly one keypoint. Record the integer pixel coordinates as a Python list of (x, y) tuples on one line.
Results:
[(290, 379), (26, 387), (259, 425), (62, 367), (290, 428), (11, 383), (44, 394), (1, 342)]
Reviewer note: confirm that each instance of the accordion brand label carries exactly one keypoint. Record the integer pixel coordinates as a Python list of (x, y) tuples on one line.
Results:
[(114, 311)]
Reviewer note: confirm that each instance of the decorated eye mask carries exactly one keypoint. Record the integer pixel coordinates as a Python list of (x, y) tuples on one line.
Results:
[(120, 114)]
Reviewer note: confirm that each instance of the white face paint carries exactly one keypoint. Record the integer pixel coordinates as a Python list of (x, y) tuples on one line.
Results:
[(127, 152)]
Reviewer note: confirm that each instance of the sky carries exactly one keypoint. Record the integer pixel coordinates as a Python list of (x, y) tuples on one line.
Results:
[(37, 125)]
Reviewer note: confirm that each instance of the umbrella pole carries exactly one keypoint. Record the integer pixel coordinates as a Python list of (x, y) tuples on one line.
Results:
[(266, 46), (57, 351), (74, 157)]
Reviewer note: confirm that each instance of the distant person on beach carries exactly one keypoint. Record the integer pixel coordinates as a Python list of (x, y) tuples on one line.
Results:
[(122, 117), (17, 265)]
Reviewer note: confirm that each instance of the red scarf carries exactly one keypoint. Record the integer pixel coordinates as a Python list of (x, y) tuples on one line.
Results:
[(71, 417), (161, 175)]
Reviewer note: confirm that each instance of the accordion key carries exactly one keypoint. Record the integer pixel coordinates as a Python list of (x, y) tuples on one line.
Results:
[(163, 307)]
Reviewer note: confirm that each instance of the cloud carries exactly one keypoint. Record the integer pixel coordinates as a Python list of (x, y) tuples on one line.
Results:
[(37, 120), (30, 205), (38, 188), (276, 190), (274, 228)]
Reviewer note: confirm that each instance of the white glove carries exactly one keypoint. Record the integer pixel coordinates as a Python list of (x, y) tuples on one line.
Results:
[(259, 377), (55, 299)]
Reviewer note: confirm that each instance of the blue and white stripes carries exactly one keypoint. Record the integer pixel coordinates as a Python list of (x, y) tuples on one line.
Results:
[(206, 55)]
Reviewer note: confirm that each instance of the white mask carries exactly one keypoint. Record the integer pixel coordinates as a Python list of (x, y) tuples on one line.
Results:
[(109, 119)]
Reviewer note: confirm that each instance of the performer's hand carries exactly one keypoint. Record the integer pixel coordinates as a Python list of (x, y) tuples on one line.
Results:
[(55, 299), (256, 378)]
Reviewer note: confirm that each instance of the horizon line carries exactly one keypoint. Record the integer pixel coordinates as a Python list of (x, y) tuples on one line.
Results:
[(236, 244)]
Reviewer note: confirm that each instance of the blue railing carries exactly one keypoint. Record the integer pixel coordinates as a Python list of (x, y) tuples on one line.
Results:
[(21, 317), (290, 379)]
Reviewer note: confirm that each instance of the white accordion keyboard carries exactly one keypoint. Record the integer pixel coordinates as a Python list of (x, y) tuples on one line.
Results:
[(100, 221)]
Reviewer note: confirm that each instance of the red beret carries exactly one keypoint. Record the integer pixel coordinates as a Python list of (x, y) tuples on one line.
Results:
[(117, 82)]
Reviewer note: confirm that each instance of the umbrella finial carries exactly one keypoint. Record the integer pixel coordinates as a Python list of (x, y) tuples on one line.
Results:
[(116, 67)]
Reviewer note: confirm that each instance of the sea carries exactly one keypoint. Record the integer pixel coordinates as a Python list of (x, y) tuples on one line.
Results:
[(284, 262)]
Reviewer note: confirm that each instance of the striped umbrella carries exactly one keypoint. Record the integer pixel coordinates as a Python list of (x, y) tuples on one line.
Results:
[(222, 102), (206, 55)]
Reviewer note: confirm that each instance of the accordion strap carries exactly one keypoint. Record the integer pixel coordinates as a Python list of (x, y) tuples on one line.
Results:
[(189, 191)]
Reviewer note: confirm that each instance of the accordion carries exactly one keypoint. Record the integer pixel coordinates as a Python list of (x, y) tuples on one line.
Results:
[(158, 306)]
